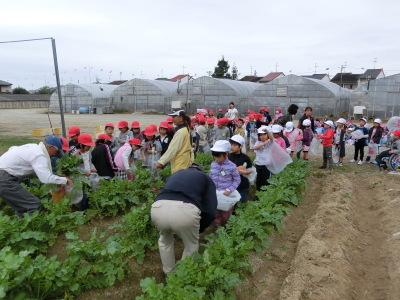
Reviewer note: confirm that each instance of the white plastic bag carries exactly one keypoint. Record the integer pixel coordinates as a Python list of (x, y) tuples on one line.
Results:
[(393, 123), (335, 156), (278, 158), (357, 134), (225, 203), (316, 147), (252, 176)]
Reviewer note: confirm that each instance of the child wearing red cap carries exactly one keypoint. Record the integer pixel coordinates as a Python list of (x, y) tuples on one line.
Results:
[(102, 158), (109, 130), (211, 131), (164, 138), (124, 133), (222, 132), (136, 132), (202, 131), (73, 134), (151, 147), (124, 158)]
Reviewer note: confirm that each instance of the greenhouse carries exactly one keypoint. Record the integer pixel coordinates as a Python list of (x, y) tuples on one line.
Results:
[(85, 97), (145, 95), (214, 93), (325, 98), (381, 97)]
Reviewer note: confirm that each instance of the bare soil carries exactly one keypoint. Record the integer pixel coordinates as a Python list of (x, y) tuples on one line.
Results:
[(342, 242)]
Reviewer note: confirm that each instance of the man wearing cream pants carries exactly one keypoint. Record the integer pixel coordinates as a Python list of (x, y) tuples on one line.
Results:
[(184, 209)]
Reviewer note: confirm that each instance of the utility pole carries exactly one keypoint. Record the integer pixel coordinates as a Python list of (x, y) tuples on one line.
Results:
[(276, 67), (53, 45), (375, 60), (315, 68)]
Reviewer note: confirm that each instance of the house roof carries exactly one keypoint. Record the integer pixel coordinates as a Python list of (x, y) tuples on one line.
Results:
[(178, 77), (271, 76), (371, 73), (5, 83), (315, 76), (348, 78), (251, 78), (117, 82)]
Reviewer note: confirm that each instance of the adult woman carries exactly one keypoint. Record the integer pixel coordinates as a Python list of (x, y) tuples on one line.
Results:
[(179, 152)]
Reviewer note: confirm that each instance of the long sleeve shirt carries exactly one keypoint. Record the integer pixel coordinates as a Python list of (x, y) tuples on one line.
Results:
[(20, 161), (225, 175), (307, 136), (202, 131), (222, 133), (180, 187), (179, 151), (103, 161), (121, 159), (327, 137)]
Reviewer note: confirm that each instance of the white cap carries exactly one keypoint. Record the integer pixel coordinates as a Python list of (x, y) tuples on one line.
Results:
[(329, 123), (289, 126), (364, 119), (221, 146), (341, 121), (176, 113), (379, 121), (237, 138), (307, 122), (276, 128), (262, 130)]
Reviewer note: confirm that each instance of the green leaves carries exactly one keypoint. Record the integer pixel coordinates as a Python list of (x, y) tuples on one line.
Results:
[(68, 165)]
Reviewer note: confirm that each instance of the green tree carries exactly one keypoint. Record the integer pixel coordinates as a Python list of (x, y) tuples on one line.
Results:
[(20, 90), (45, 90), (235, 72), (222, 69)]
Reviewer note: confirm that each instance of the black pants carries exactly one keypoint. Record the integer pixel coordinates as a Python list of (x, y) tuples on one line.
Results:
[(359, 148), (263, 175), (381, 156)]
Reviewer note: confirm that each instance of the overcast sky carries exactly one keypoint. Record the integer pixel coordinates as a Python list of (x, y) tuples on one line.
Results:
[(149, 39)]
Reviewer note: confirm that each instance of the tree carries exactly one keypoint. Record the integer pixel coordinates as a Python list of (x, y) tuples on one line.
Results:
[(45, 90), (235, 72), (20, 90), (221, 70)]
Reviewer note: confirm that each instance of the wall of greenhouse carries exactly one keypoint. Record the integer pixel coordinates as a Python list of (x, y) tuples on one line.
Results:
[(381, 97), (75, 96), (145, 95), (214, 93), (325, 98)]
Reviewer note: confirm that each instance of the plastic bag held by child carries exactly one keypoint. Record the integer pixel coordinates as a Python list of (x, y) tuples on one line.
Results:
[(225, 203), (278, 158), (316, 147)]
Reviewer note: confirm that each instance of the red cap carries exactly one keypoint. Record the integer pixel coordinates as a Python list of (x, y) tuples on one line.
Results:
[(210, 121), (135, 124), (85, 139), (109, 124), (201, 119), (396, 133), (263, 109), (164, 125), (65, 144), (104, 136), (135, 141), (150, 130), (170, 120), (122, 124), (222, 121), (73, 131)]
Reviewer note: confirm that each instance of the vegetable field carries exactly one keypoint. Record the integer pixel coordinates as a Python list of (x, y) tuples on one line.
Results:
[(103, 256)]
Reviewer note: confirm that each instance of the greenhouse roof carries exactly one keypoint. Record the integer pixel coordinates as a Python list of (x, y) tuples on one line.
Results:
[(98, 90)]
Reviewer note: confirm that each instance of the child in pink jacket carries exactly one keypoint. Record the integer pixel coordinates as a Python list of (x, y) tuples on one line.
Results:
[(295, 137)]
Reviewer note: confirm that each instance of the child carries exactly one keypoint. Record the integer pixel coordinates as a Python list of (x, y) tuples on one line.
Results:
[(124, 133), (222, 132), (225, 176), (251, 128), (242, 132), (394, 149), (202, 132), (135, 128), (122, 158), (295, 136), (327, 142), (151, 147), (243, 162), (340, 139), (164, 138), (102, 158), (307, 137), (260, 148), (276, 131), (73, 134), (361, 142), (211, 131), (278, 114), (375, 134), (109, 131)]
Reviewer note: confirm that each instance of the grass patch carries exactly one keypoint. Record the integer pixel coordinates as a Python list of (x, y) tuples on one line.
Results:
[(8, 141)]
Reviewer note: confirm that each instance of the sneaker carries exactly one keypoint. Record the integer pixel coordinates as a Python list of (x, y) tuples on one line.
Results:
[(394, 173), (340, 164), (360, 162), (353, 161)]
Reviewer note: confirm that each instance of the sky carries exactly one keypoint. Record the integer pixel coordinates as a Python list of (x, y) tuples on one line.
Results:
[(112, 40)]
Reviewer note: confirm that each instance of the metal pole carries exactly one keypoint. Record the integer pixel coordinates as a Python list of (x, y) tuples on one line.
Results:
[(53, 45)]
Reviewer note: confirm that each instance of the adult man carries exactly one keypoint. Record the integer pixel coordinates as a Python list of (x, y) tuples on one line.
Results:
[(184, 208), (21, 161), (308, 111), (232, 114)]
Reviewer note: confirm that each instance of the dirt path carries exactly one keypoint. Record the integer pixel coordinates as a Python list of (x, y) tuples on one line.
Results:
[(342, 242)]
